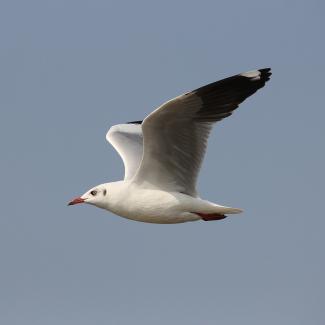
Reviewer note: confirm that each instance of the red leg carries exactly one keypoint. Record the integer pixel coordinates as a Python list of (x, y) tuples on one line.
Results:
[(211, 216)]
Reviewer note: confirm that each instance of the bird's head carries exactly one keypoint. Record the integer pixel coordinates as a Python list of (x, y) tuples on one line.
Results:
[(96, 196)]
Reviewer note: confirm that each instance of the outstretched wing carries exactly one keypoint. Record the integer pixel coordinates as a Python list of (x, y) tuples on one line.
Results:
[(128, 142), (175, 134)]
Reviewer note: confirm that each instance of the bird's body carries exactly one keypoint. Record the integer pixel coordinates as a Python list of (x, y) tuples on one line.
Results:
[(162, 155), (132, 201)]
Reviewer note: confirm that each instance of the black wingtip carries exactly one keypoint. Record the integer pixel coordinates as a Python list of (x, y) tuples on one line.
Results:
[(135, 122), (258, 77), (265, 73)]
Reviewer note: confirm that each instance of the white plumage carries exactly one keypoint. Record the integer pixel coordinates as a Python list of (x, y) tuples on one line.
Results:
[(127, 140)]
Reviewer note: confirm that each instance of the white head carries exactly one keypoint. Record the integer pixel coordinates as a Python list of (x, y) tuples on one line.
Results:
[(97, 196)]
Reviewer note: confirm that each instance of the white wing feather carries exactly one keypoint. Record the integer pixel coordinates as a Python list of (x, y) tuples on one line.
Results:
[(127, 140), (175, 134)]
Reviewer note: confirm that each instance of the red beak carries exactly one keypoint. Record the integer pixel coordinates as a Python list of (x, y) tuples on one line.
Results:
[(76, 201)]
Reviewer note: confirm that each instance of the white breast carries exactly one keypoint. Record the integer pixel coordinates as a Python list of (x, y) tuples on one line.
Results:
[(148, 205)]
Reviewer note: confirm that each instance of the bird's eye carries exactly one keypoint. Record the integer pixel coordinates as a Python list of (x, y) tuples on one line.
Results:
[(93, 192)]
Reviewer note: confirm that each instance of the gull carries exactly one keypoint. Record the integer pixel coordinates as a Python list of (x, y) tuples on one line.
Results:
[(162, 155)]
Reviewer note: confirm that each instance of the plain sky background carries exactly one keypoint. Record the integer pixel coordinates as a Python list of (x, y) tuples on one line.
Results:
[(68, 71)]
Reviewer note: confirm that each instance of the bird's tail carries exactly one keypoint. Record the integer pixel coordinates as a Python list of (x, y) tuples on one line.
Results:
[(229, 210)]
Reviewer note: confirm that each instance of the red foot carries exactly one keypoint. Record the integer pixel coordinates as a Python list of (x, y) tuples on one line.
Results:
[(213, 216)]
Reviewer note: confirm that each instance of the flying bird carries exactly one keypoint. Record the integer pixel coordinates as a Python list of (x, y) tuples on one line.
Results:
[(162, 155)]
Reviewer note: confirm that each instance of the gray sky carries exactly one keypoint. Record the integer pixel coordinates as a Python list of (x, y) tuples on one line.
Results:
[(70, 70)]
